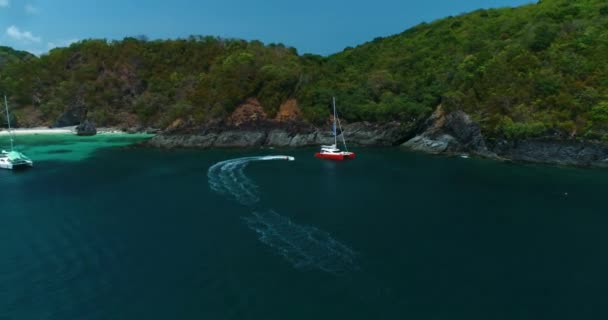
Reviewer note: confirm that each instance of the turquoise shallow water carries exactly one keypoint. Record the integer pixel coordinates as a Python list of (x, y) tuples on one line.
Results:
[(116, 232), (68, 147)]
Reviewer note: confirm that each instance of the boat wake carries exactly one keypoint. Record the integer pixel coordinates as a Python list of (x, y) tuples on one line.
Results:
[(227, 178), (305, 247)]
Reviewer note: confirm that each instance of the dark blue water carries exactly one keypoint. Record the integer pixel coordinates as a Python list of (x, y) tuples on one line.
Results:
[(131, 233)]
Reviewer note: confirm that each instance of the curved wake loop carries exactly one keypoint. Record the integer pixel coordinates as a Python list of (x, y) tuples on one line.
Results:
[(305, 247)]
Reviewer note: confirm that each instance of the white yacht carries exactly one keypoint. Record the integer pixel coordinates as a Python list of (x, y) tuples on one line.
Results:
[(13, 159), (332, 152)]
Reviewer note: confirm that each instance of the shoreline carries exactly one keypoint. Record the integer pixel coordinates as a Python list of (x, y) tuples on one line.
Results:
[(451, 134), (443, 134)]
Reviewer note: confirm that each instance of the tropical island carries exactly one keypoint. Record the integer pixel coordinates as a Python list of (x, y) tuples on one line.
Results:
[(527, 83)]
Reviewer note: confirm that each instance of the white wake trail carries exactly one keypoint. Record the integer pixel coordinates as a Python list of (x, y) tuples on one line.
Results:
[(305, 247), (227, 178)]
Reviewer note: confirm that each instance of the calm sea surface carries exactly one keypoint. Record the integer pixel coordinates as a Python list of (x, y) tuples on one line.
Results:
[(98, 230)]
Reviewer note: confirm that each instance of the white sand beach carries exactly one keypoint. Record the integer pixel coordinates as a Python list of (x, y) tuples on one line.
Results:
[(63, 130), (40, 130)]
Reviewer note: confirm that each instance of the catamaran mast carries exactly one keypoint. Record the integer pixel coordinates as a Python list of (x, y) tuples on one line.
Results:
[(335, 132), (8, 121), (340, 126), (342, 134)]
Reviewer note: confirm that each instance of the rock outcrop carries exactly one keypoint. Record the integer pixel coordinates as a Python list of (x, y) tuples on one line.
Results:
[(452, 132), (86, 128), (288, 135), (554, 152), (456, 133)]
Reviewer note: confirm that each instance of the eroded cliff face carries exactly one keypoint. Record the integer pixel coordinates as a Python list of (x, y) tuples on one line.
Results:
[(554, 152), (456, 133), (285, 135), (452, 132), (249, 126), (448, 133)]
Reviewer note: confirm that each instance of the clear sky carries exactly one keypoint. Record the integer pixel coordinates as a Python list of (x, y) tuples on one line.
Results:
[(311, 26)]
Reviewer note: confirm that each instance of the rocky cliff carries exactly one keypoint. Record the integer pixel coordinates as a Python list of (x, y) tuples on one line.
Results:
[(250, 126), (283, 135), (452, 132), (449, 133), (554, 152), (456, 133)]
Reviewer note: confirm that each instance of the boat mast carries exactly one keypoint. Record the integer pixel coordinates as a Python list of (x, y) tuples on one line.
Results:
[(342, 134), (8, 121), (339, 126), (335, 132)]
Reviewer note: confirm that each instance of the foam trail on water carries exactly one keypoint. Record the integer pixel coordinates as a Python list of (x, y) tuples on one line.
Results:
[(306, 247), (227, 178)]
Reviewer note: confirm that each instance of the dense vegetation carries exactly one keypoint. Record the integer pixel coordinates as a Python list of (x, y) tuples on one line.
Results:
[(153, 82), (10, 55), (519, 72)]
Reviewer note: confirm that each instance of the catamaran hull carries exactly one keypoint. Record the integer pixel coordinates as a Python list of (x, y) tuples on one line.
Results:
[(335, 156), (12, 160), (15, 167)]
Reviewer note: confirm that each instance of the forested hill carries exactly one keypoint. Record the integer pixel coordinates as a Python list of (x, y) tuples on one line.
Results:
[(519, 72), (10, 55)]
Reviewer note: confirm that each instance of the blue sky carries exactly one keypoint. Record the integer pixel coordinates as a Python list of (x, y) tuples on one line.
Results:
[(312, 26)]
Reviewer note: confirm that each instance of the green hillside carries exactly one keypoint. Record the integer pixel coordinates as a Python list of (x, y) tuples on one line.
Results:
[(153, 82), (9, 55), (519, 72)]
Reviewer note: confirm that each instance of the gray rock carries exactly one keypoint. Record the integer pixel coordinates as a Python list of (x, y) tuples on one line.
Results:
[(452, 133), (240, 139), (182, 141), (141, 129), (304, 140), (369, 134), (455, 133), (152, 130), (86, 128), (278, 138), (357, 134), (326, 138), (434, 145), (467, 133), (555, 152), (133, 130)]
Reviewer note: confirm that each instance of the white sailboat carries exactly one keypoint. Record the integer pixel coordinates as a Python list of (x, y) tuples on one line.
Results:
[(13, 159), (332, 152)]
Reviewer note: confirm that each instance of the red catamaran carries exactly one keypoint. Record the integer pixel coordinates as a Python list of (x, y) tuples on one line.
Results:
[(332, 152)]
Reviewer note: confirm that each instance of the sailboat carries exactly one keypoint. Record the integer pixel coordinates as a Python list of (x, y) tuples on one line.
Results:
[(13, 159), (332, 152)]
